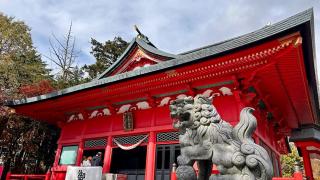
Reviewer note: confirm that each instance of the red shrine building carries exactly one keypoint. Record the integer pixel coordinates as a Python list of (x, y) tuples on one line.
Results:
[(124, 112)]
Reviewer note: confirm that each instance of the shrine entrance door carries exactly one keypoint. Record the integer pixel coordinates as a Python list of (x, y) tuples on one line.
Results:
[(165, 157), (131, 162)]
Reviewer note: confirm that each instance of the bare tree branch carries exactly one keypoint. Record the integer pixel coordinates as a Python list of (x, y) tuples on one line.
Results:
[(63, 54)]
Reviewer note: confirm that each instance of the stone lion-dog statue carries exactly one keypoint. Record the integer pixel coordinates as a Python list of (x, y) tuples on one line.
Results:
[(207, 139)]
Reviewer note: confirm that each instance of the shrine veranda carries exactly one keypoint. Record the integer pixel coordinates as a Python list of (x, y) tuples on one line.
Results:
[(272, 70)]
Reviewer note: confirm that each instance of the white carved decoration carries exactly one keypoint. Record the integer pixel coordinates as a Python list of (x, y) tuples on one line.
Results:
[(106, 112), (207, 93), (223, 91), (80, 116), (100, 112), (181, 96), (71, 118), (94, 114), (216, 94), (143, 105), (124, 108), (132, 108), (226, 91), (164, 101), (75, 117)]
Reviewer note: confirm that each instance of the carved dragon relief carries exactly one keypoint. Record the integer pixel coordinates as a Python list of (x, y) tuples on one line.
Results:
[(207, 139)]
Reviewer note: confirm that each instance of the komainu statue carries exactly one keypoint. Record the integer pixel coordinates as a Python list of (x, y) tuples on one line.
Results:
[(207, 139)]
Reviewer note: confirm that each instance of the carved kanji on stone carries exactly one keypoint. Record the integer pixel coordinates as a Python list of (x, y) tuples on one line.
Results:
[(81, 175)]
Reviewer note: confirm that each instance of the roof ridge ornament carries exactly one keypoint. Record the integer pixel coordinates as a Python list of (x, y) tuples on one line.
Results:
[(140, 35)]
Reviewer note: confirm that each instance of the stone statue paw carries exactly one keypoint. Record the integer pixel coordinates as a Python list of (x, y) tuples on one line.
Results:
[(231, 177), (186, 172)]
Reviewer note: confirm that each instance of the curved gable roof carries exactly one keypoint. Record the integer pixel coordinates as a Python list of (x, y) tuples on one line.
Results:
[(142, 42)]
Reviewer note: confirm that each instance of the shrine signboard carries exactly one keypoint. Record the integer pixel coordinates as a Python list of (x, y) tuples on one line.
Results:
[(128, 121)]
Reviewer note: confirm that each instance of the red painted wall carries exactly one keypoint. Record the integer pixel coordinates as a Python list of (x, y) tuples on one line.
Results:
[(101, 126)]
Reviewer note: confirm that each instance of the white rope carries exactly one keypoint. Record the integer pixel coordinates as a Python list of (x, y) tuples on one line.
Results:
[(129, 147)]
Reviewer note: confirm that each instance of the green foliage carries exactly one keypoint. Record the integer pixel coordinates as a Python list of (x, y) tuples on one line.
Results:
[(21, 151), (20, 64), (21, 67), (105, 53), (77, 77), (23, 73), (289, 161)]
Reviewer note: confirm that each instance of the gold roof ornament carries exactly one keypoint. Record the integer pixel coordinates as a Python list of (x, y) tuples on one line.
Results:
[(140, 35)]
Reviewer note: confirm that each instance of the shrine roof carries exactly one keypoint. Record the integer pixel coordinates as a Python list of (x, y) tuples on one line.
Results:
[(143, 42), (306, 133), (302, 21)]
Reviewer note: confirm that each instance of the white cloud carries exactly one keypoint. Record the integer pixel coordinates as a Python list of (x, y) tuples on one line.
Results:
[(173, 26)]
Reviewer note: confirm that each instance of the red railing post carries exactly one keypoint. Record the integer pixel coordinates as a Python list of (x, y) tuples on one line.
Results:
[(1, 168), (173, 172), (297, 175), (48, 175), (8, 175), (307, 163)]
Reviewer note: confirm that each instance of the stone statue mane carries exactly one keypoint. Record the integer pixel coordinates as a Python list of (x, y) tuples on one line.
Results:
[(208, 139)]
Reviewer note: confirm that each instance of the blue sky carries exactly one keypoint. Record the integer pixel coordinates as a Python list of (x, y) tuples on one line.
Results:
[(173, 26)]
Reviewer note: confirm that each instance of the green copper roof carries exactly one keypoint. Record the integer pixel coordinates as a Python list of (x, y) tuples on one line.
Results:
[(293, 23), (145, 44)]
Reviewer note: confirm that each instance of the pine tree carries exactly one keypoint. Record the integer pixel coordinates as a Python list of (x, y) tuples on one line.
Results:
[(20, 64), (22, 70), (106, 54)]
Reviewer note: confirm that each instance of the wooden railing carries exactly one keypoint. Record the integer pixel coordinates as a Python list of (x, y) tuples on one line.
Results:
[(296, 176), (46, 176)]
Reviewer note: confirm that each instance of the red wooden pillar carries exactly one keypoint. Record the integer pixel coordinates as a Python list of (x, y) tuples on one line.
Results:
[(48, 175), (151, 153), (107, 156), (297, 176), (8, 175), (256, 138), (58, 153), (240, 103), (80, 153), (1, 168), (307, 163)]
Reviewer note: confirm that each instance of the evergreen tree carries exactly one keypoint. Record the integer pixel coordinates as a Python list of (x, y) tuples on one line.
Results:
[(20, 64), (23, 141), (105, 53)]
